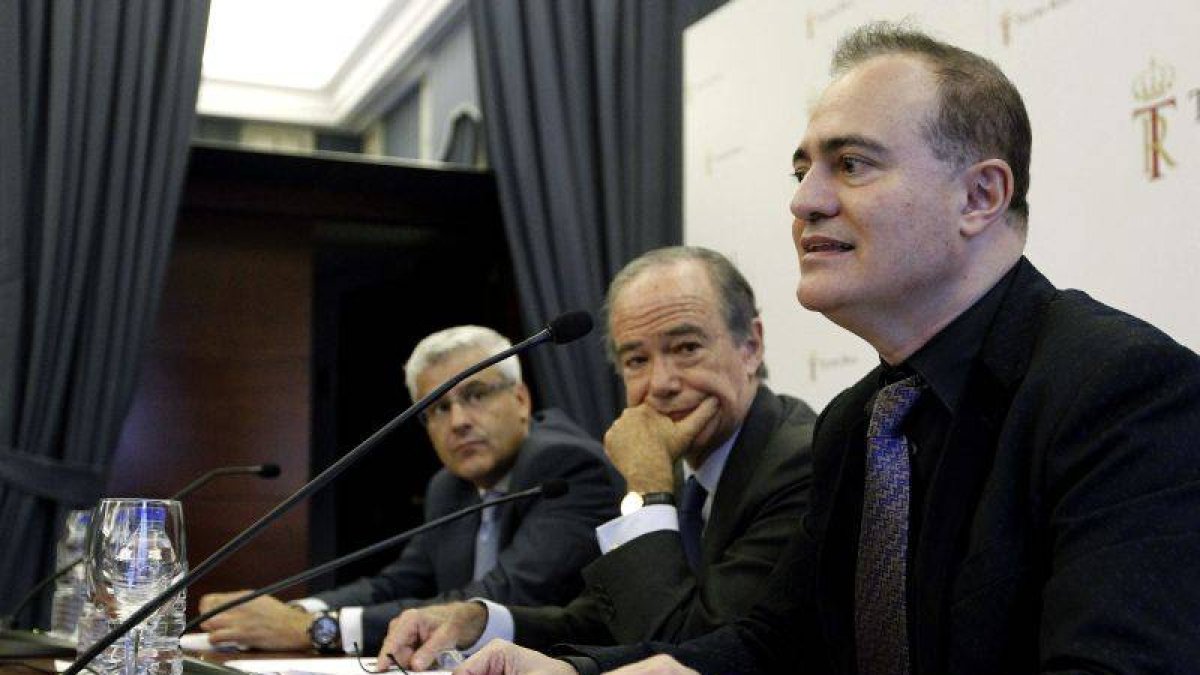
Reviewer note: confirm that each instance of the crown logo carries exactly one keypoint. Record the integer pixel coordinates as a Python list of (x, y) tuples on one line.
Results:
[(1153, 82)]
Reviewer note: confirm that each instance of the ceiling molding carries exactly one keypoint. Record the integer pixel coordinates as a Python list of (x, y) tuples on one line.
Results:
[(387, 63)]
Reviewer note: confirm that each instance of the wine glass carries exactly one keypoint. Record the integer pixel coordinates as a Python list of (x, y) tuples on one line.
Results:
[(136, 548)]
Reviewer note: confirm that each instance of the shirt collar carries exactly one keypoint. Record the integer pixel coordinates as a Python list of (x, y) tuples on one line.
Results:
[(709, 473), (501, 486), (944, 363)]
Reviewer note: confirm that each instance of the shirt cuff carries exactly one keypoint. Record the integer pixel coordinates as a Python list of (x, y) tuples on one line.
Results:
[(624, 529), (310, 605), (499, 625), (350, 619), (582, 664)]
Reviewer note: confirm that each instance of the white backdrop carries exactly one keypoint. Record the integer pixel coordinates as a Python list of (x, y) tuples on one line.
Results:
[(1102, 217)]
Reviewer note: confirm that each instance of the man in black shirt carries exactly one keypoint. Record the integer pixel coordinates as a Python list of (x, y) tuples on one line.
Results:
[(1015, 488)]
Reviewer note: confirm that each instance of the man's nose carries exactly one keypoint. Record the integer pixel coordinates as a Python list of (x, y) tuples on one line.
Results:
[(664, 378), (815, 197), (459, 416)]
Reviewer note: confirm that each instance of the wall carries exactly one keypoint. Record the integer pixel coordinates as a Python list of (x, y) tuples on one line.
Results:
[(1111, 212)]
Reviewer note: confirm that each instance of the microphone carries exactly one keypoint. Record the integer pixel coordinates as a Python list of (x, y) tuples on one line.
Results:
[(569, 327), (550, 489), (563, 329), (265, 471)]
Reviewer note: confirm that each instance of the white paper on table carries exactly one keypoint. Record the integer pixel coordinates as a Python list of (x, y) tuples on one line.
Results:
[(325, 666)]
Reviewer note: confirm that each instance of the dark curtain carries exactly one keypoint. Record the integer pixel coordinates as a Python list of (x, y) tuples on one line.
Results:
[(582, 105), (99, 99)]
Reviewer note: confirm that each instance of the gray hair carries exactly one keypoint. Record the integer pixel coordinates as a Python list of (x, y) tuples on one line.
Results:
[(733, 291), (445, 343)]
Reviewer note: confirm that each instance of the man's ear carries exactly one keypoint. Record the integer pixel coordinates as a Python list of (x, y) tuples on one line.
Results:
[(753, 348), (989, 190), (523, 398)]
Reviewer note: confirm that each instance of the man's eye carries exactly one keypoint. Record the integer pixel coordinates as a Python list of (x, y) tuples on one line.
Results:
[(851, 165), (687, 347), (799, 174), (441, 407), (635, 362)]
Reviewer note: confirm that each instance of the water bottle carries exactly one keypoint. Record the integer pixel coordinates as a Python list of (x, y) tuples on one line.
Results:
[(136, 551), (69, 588), (142, 569)]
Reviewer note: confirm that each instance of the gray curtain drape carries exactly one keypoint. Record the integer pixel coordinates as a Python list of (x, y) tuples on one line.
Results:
[(99, 99), (582, 101)]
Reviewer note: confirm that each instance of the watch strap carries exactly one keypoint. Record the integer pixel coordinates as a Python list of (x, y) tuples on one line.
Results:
[(650, 498)]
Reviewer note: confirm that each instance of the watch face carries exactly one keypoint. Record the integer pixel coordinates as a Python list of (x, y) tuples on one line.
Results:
[(632, 502), (324, 630)]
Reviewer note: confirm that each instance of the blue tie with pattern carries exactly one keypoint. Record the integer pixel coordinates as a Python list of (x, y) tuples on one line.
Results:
[(487, 539), (880, 608), (691, 520)]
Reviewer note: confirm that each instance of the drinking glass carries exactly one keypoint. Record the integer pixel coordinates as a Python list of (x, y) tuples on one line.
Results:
[(135, 549)]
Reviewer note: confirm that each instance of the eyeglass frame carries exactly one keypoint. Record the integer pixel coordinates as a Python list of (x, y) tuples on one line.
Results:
[(483, 391)]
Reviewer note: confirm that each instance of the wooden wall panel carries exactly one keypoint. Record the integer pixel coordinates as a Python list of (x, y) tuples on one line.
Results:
[(225, 381)]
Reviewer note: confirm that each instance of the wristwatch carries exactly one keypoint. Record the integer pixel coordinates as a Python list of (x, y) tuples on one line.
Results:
[(325, 633), (636, 500)]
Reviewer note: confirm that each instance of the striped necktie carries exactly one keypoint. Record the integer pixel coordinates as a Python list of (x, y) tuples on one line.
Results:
[(691, 520), (487, 539), (880, 607)]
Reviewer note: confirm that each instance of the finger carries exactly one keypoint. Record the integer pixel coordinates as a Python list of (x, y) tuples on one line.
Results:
[(439, 640), (395, 643), (480, 664), (691, 425), (228, 634), (212, 600)]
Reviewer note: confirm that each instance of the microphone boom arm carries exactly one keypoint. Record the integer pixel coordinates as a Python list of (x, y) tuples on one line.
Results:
[(357, 555)]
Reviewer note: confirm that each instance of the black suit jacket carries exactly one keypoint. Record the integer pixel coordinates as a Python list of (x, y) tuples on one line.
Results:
[(543, 542), (1062, 532), (645, 588)]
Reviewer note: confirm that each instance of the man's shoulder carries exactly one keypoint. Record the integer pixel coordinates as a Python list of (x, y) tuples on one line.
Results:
[(552, 428), (794, 412), (776, 443), (556, 447), (1077, 322)]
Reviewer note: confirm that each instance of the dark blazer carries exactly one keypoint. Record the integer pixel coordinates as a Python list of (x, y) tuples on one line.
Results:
[(1062, 532), (543, 542), (645, 589)]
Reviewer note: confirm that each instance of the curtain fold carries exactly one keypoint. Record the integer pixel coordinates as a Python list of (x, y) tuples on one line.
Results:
[(582, 106), (92, 161)]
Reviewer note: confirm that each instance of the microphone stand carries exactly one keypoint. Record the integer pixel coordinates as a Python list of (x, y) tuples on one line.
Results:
[(563, 329)]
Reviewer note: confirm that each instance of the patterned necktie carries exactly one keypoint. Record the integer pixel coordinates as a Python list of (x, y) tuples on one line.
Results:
[(691, 520), (880, 608), (487, 545)]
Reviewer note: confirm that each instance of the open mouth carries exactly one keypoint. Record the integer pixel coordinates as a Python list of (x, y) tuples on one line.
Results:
[(824, 245)]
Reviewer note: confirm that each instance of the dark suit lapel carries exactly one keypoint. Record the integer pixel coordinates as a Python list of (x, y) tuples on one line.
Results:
[(954, 494), (511, 514), (454, 548), (969, 457), (747, 451), (837, 501)]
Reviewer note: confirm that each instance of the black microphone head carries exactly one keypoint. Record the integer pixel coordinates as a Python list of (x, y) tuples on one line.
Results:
[(570, 326), (555, 487), (269, 471)]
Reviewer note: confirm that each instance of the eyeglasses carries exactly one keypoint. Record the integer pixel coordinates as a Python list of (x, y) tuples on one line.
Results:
[(373, 663), (471, 397), (447, 659)]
